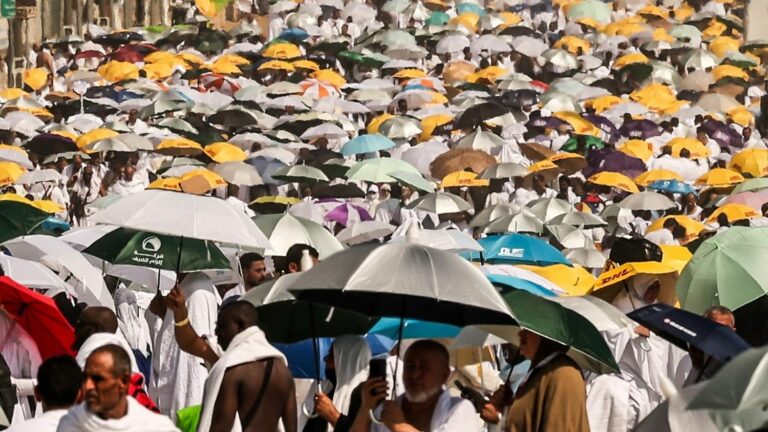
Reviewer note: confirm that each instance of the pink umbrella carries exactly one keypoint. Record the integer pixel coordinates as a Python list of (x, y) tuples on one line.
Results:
[(347, 214), (751, 199)]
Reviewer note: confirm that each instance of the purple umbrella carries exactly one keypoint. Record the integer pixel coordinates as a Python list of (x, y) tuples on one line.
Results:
[(346, 214), (547, 123), (639, 129), (722, 133), (613, 161), (605, 125)]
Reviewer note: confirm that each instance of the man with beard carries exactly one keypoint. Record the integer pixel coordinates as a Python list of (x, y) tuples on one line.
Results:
[(426, 404)]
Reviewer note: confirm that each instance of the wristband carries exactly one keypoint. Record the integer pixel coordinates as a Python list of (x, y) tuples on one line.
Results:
[(182, 323)]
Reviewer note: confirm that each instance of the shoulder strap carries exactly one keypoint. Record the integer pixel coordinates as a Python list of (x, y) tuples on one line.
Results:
[(262, 392)]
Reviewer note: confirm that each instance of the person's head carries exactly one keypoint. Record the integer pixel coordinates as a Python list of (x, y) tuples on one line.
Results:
[(128, 172), (106, 377), (721, 315), (701, 135), (58, 383), (234, 317), (77, 161), (406, 192), (402, 106), (535, 347), (679, 232), (87, 173), (722, 220), (385, 191), (254, 269), (94, 319), (669, 224), (425, 371), (746, 133), (294, 254), (685, 153), (690, 200)]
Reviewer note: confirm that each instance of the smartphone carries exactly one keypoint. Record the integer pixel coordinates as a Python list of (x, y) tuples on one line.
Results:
[(377, 368)]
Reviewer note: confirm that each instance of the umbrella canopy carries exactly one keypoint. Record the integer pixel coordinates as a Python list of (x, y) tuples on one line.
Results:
[(647, 201), (377, 170), (440, 203), (578, 219), (19, 218), (520, 249), (364, 231), (39, 316), (614, 179), (685, 330), (548, 208), (725, 270), (184, 215), (430, 285), (300, 174), (556, 322), (366, 144), (348, 214), (285, 230)]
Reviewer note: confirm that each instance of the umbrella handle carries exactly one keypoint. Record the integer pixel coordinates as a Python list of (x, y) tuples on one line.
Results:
[(310, 414), (373, 418)]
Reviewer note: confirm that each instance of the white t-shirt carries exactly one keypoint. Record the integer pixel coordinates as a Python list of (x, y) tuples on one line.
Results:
[(47, 422)]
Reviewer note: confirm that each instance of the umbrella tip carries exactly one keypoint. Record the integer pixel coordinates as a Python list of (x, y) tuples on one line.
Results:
[(306, 260), (668, 388), (412, 235)]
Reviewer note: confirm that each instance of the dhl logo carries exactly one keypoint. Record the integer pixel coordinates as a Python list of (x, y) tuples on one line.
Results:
[(614, 277)]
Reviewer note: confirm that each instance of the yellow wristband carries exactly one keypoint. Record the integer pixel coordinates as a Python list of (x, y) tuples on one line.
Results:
[(182, 323)]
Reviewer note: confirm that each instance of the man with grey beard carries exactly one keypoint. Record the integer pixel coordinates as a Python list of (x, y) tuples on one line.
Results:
[(426, 405)]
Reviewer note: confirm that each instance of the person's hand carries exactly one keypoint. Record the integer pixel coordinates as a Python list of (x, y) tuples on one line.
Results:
[(176, 302), (325, 408), (490, 414), (642, 331), (501, 397), (157, 305), (373, 392), (392, 414)]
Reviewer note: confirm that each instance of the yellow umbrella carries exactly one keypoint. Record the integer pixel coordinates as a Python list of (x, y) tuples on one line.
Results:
[(225, 152), (65, 133), (576, 281), (572, 44), (510, 18), (47, 206), (676, 257), (734, 212), (373, 126), (225, 68), (589, 22), (655, 11), (158, 71), (329, 76), (410, 73), (694, 146), (13, 148), (624, 28), (12, 93), (608, 284), (543, 165), (579, 124), (491, 73), (750, 161), (655, 96), (36, 78), (10, 172), (306, 64), (720, 177), (661, 35), (714, 29), (683, 12), (276, 200), (462, 179), (458, 71), (637, 148), (726, 70), (191, 58), (170, 183), (741, 115), (179, 147), (277, 65), (692, 227), (467, 19), (614, 179), (281, 50), (166, 58), (234, 59), (603, 103), (16, 198), (721, 45), (97, 134), (118, 71), (430, 123), (651, 176), (568, 163), (211, 179)]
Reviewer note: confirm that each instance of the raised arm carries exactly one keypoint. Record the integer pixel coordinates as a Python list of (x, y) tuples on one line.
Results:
[(189, 341)]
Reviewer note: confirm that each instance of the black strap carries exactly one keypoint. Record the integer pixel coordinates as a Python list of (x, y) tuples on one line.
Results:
[(262, 391)]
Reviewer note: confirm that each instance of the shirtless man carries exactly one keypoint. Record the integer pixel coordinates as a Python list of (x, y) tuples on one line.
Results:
[(240, 391)]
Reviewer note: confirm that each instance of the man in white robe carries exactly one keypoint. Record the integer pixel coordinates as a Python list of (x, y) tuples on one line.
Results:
[(23, 358)]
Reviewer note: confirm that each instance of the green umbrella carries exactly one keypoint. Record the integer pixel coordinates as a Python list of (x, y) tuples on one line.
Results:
[(414, 180), (285, 319), (438, 19), (361, 58), (593, 9), (558, 323), (751, 185), (728, 269), (284, 230), (300, 174), (638, 71), (143, 249), (377, 170), (18, 219), (593, 143)]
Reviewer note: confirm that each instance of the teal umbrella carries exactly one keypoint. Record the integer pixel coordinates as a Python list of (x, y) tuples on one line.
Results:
[(438, 19), (470, 8), (377, 170), (413, 180), (560, 324), (130, 247), (728, 269), (366, 144), (751, 185), (18, 219)]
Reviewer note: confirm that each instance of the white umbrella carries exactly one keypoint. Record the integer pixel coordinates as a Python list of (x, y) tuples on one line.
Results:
[(423, 154), (549, 208), (285, 230), (717, 103), (454, 43), (238, 173), (444, 239), (490, 43), (647, 201), (40, 176), (364, 231), (522, 222), (440, 203), (529, 46), (481, 140), (127, 142), (86, 279), (17, 156), (504, 170), (586, 257), (569, 236), (579, 219), (325, 130), (492, 213), (33, 275), (521, 273), (285, 156), (184, 215), (561, 58)]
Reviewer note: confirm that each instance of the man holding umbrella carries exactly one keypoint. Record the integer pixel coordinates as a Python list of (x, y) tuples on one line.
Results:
[(426, 404)]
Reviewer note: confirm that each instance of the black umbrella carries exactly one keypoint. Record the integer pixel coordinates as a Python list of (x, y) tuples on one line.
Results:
[(518, 31), (520, 98), (477, 114), (338, 191), (118, 38), (685, 329), (47, 144), (639, 129)]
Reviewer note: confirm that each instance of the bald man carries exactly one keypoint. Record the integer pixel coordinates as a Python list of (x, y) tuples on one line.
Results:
[(128, 183)]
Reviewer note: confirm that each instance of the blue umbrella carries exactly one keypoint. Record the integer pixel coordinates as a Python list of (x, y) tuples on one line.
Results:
[(266, 167), (366, 144), (301, 357), (686, 329), (519, 249), (506, 282), (54, 226), (414, 329), (671, 186), (294, 34), (470, 8)]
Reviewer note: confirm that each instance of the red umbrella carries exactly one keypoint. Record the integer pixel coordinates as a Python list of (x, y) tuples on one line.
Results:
[(39, 316), (132, 53), (89, 54), (219, 82)]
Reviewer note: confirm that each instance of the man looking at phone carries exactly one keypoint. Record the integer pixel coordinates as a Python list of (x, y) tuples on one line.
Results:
[(426, 405)]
